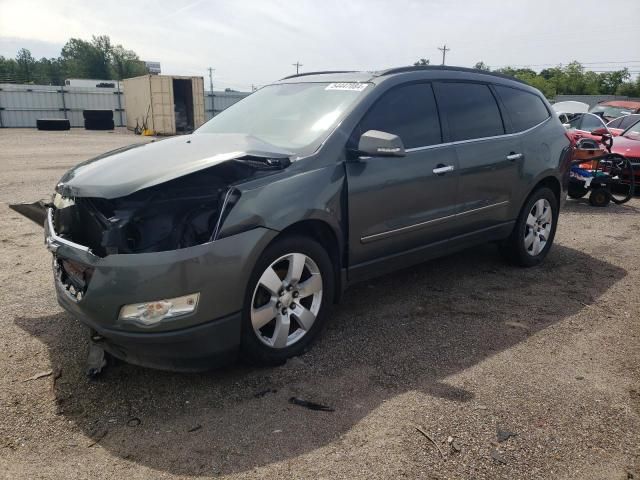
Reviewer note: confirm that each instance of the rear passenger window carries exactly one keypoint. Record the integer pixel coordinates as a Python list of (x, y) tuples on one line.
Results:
[(408, 111), (590, 122), (471, 110), (617, 123), (626, 122), (525, 109)]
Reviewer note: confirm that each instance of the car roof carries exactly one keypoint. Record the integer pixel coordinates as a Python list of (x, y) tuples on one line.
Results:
[(631, 115), (621, 103), (425, 72)]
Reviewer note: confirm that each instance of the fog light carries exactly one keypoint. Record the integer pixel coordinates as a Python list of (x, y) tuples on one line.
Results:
[(150, 313)]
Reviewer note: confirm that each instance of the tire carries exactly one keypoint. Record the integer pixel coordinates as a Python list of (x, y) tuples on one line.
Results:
[(98, 124), (520, 248), (103, 115), (600, 197), (576, 190), (576, 194), (269, 304), (56, 124)]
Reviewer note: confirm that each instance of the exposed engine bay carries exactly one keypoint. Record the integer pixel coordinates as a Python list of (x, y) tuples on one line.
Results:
[(180, 213)]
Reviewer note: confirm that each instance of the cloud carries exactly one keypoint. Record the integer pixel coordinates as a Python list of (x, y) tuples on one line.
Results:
[(255, 42)]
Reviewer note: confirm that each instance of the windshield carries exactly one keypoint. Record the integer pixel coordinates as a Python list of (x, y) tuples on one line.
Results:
[(609, 111), (293, 116), (633, 132)]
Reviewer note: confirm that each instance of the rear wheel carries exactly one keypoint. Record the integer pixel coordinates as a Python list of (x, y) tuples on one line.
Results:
[(600, 197), (534, 230), (576, 191), (287, 300)]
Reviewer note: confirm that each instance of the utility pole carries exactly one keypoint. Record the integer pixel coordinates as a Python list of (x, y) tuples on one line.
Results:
[(297, 65), (211, 70), (444, 51)]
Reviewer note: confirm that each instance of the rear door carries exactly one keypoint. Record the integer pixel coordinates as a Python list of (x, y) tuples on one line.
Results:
[(399, 203), (488, 159)]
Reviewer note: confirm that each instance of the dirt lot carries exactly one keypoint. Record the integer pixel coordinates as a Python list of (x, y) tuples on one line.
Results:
[(461, 347)]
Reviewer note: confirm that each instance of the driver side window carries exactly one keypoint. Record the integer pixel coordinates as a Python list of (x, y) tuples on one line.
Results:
[(408, 111)]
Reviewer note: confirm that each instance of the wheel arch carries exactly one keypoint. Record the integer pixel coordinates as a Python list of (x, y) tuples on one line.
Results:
[(552, 183), (323, 233)]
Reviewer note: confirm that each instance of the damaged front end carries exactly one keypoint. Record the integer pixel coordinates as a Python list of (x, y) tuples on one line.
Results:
[(137, 238), (177, 214), (180, 213)]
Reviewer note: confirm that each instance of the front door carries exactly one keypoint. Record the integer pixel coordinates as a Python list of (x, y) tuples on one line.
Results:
[(400, 203)]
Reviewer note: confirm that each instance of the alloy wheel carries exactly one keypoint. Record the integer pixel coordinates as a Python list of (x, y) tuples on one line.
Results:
[(537, 228), (286, 300)]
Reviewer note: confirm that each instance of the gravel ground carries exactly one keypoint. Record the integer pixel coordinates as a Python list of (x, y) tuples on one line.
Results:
[(460, 347)]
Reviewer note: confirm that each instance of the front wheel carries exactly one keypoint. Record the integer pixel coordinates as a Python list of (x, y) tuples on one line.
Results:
[(287, 300), (534, 230)]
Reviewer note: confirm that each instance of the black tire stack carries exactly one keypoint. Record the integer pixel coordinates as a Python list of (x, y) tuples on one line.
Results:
[(53, 124), (98, 119)]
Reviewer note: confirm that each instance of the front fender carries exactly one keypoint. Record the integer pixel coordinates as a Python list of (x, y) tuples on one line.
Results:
[(303, 195)]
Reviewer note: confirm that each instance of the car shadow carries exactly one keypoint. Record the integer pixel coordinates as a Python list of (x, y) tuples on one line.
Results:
[(406, 331)]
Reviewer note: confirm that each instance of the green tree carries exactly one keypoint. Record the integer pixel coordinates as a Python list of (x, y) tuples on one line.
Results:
[(125, 63), (26, 66), (421, 63), (482, 66), (50, 71), (631, 89), (8, 67), (611, 81), (84, 59)]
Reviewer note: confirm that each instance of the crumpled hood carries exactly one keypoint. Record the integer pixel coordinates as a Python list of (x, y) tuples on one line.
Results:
[(124, 171)]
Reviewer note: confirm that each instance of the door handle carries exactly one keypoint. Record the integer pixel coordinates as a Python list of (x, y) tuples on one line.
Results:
[(512, 157), (442, 169)]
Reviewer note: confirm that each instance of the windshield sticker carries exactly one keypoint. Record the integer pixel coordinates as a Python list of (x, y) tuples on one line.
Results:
[(350, 86)]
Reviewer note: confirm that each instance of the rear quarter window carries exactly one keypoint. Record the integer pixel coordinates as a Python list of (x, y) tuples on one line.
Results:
[(626, 122), (525, 109)]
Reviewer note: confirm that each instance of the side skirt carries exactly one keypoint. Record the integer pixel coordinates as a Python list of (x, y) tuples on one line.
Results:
[(382, 266)]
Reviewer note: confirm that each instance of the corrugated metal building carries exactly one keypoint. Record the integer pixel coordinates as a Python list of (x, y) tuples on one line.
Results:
[(22, 105)]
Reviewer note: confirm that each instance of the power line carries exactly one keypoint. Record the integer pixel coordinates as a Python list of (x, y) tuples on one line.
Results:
[(444, 51)]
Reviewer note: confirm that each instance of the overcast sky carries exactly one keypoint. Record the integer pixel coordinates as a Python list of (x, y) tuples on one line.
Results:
[(255, 42)]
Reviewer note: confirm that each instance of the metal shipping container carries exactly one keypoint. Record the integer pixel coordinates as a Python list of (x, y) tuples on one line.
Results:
[(168, 104)]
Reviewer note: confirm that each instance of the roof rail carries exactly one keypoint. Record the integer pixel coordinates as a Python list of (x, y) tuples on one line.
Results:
[(418, 68), (326, 72)]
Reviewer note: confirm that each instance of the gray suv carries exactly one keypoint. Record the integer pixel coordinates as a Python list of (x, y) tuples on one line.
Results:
[(238, 238)]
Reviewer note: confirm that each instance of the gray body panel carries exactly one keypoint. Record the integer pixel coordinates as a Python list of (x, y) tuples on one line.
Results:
[(385, 213)]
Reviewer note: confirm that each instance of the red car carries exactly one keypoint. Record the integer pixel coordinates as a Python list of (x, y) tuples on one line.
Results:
[(615, 108), (628, 145), (580, 127), (620, 124)]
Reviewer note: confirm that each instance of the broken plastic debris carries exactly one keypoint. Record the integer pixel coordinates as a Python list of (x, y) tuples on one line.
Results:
[(310, 405)]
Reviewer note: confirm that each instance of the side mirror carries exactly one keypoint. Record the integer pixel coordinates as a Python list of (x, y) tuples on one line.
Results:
[(599, 132), (374, 143)]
